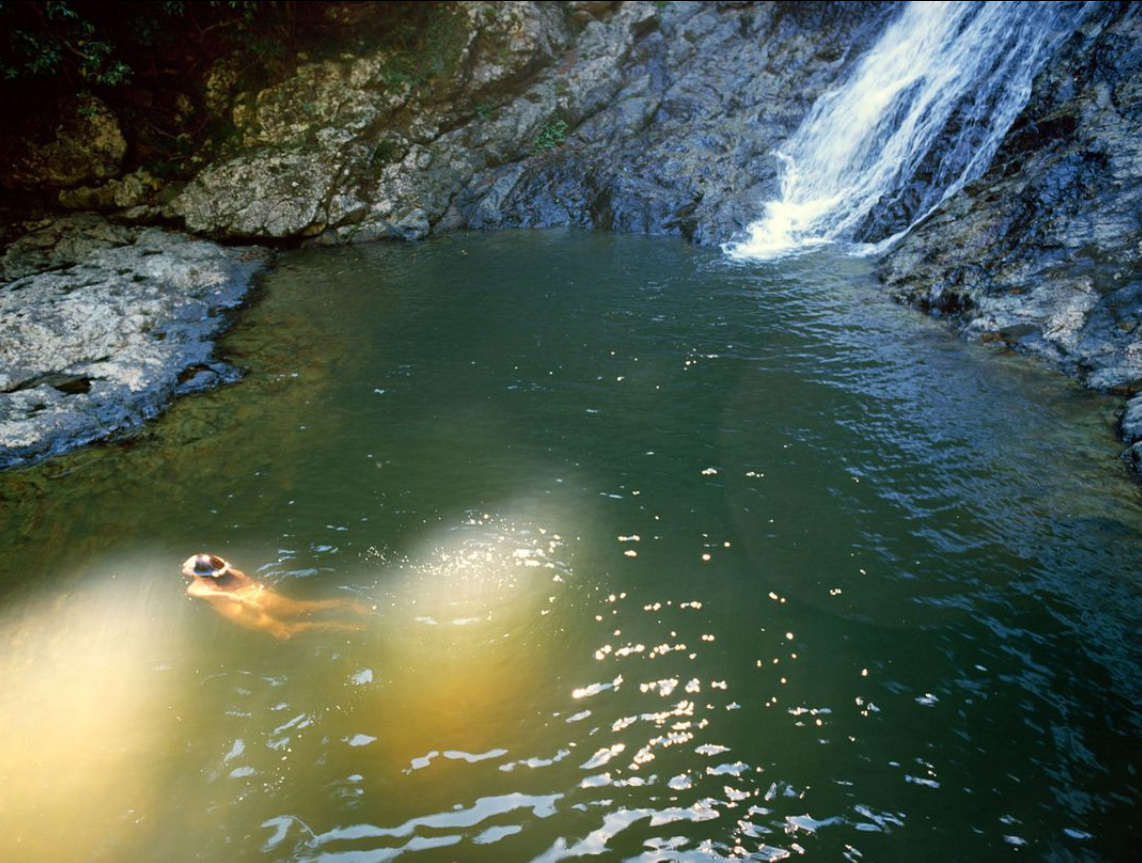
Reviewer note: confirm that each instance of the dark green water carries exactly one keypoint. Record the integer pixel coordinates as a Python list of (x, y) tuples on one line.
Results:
[(671, 559)]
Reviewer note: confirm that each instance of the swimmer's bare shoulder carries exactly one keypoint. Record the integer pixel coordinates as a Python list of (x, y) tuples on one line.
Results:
[(205, 590)]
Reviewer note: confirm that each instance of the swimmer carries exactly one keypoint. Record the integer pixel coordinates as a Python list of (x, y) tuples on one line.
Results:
[(253, 605)]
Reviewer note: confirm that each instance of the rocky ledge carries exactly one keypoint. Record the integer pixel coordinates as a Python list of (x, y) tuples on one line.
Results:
[(103, 325)]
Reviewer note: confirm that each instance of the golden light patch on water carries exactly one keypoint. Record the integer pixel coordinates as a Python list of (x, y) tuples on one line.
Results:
[(463, 639), (84, 715)]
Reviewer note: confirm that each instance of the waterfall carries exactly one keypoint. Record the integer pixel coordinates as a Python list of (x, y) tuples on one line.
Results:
[(922, 114)]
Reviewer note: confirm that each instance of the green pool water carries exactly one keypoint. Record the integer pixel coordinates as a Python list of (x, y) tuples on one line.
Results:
[(666, 557)]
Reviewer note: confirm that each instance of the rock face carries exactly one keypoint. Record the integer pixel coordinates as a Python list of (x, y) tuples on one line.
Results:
[(634, 116), (682, 143), (124, 322), (353, 150), (1042, 253)]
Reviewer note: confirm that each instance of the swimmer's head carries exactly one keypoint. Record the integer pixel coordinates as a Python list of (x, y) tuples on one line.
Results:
[(205, 566)]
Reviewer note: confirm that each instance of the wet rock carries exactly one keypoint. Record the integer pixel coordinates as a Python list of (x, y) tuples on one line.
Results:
[(1043, 250), (1131, 422), (93, 348), (681, 141), (1130, 428)]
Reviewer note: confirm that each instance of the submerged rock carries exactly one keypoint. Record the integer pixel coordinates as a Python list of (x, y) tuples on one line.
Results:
[(1130, 428), (124, 322)]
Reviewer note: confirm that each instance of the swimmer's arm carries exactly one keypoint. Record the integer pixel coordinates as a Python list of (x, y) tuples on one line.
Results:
[(203, 591), (198, 590)]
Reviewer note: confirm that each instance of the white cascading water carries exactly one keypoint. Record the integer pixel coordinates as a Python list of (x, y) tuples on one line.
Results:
[(947, 75)]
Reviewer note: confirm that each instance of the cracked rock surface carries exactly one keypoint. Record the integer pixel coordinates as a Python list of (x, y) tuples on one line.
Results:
[(124, 321)]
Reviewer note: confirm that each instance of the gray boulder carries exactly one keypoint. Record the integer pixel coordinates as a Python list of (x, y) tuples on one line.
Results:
[(94, 348)]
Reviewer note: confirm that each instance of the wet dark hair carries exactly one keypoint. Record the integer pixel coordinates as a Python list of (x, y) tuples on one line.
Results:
[(209, 565)]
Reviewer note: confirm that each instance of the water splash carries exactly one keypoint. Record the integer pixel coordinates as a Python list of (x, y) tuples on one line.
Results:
[(922, 114)]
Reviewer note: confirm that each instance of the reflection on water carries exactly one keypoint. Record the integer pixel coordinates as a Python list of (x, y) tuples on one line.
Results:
[(670, 560)]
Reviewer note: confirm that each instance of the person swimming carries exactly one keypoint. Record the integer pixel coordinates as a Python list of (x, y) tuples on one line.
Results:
[(251, 604)]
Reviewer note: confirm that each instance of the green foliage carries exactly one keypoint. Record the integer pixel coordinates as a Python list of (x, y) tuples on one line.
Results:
[(552, 135), (424, 42), (57, 37), (384, 153), (149, 61)]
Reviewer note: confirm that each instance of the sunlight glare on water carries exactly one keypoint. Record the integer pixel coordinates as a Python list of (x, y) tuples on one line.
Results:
[(664, 557), (86, 693)]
